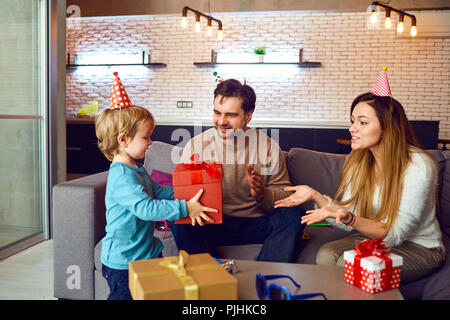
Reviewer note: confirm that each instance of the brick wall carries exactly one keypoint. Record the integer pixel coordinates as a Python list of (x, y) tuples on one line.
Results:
[(351, 54)]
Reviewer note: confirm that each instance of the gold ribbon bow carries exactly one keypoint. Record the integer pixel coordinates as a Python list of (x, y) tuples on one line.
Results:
[(176, 264)]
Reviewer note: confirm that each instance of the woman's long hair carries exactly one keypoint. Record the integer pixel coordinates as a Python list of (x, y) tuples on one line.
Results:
[(359, 168)]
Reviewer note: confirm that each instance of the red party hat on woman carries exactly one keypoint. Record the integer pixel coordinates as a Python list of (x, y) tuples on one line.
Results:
[(382, 88), (119, 97)]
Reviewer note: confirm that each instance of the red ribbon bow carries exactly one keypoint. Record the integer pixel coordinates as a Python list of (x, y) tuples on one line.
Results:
[(375, 247), (196, 167)]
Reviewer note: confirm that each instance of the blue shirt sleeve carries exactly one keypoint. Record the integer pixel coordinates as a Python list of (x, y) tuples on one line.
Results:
[(165, 192), (128, 191)]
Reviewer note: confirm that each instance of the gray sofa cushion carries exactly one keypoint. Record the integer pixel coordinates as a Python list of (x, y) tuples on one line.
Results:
[(162, 157), (319, 170), (437, 288), (318, 236), (444, 203), (97, 255)]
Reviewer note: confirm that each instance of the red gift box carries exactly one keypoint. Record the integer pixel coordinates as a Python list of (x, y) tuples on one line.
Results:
[(372, 267), (188, 179)]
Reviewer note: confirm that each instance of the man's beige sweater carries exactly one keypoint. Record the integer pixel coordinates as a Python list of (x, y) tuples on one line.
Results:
[(250, 147)]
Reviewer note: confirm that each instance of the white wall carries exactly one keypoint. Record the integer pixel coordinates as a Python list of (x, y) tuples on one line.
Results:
[(352, 56)]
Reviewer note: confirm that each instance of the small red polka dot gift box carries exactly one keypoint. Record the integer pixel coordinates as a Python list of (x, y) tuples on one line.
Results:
[(371, 267)]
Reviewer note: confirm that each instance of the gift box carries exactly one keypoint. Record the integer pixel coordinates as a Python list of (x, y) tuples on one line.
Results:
[(186, 277), (371, 267), (188, 179)]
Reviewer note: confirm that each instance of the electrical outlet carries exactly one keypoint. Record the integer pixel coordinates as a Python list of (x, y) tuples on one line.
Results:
[(184, 104)]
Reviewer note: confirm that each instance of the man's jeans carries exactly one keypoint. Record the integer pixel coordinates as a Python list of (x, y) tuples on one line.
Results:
[(279, 230)]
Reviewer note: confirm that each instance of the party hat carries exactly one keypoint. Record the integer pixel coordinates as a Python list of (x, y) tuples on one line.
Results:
[(382, 88), (218, 78), (119, 97)]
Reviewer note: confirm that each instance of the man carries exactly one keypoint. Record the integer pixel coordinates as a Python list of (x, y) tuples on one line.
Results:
[(254, 175)]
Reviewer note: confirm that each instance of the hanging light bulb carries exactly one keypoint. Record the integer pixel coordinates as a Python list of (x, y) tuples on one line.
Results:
[(220, 35), (400, 26), (373, 17), (184, 22), (413, 31), (387, 22), (209, 28), (220, 32), (198, 28)]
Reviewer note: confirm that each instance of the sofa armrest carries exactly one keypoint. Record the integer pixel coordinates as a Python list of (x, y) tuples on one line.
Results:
[(78, 225)]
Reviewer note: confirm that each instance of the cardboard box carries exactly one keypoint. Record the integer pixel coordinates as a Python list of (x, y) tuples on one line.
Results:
[(372, 272), (163, 279), (188, 179)]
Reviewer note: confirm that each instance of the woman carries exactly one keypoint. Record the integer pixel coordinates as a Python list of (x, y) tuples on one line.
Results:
[(387, 190)]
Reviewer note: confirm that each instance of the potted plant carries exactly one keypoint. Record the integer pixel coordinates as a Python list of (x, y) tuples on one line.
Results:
[(260, 51)]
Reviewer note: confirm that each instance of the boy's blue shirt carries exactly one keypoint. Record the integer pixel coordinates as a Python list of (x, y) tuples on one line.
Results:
[(133, 202)]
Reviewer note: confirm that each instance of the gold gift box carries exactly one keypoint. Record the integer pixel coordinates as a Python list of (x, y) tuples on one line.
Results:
[(184, 277)]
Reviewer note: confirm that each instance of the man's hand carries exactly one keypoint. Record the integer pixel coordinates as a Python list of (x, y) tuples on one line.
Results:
[(255, 183), (302, 194)]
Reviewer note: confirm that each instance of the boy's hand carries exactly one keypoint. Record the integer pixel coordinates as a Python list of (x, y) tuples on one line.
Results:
[(197, 211), (255, 183)]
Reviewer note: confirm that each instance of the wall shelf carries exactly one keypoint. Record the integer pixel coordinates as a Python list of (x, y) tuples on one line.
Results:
[(300, 63), (145, 56), (148, 65), (305, 64)]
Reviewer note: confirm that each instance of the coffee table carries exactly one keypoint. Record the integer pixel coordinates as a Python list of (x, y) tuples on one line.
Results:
[(312, 278)]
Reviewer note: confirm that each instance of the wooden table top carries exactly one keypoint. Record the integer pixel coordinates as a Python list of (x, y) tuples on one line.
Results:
[(312, 278)]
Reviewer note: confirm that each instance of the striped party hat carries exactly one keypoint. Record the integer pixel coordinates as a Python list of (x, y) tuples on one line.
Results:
[(119, 97), (382, 88)]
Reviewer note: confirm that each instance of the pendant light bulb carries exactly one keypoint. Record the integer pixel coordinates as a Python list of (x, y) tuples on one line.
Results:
[(401, 26), (387, 23), (413, 31), (198, 28), (220, 35), (373, 17), (209, 28), (184, 22)]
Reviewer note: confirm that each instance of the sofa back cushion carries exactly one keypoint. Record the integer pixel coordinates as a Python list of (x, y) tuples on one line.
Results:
[(318, 170), (444, 194), (162, 156), (443, 212)]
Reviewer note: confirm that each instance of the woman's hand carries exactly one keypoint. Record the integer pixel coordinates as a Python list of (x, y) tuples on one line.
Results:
[(197, 211), (318, 215), (302, 194)]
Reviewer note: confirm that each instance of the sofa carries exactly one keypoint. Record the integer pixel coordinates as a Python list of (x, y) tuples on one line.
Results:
[(78, 212)]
